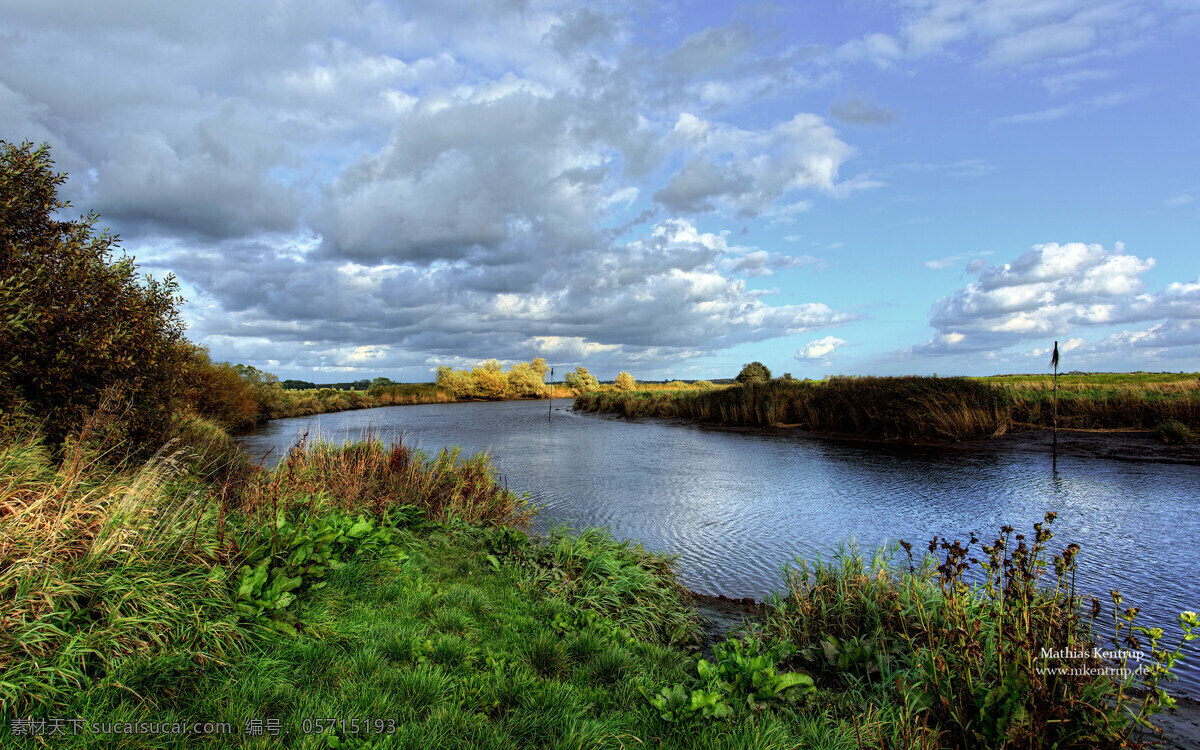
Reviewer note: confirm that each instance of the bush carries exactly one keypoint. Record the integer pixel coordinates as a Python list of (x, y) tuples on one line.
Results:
[(216, 391), (625, 382), (755, 372), (75, 323), (581, 380), (1174, 432)]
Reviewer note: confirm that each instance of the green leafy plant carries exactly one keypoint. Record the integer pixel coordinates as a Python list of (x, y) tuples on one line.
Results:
[(677, 704), (745, 672), (748, 667), (292, 555)]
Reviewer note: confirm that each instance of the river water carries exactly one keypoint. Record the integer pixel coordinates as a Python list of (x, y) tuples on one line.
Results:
[(737, 506)]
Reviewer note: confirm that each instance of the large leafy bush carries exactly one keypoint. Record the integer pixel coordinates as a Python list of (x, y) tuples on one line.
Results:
[(74, 323)]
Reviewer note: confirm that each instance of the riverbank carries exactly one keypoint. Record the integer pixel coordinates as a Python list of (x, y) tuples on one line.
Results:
[(920, 410), (380, 582), (285, 404)]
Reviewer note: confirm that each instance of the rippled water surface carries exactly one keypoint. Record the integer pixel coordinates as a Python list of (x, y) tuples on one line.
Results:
[(736, 507)]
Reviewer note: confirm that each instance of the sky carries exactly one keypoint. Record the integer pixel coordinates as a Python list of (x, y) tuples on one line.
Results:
[(349, 189)]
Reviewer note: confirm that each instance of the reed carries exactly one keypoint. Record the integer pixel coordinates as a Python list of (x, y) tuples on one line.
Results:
[(910, 408), (370, 476), (100, 565)]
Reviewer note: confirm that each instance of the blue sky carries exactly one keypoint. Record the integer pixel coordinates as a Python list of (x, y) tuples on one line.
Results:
[(351, 189)]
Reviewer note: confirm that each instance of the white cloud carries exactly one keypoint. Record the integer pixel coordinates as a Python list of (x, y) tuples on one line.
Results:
[(1009, 33), (1054, 290), (747, 170), (820, 349)]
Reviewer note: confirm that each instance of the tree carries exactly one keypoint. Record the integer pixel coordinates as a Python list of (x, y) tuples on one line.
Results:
[(524, 380), (457, 382), (489, 380), (75, 324), (625, 382), (581, 380), (755, 372)]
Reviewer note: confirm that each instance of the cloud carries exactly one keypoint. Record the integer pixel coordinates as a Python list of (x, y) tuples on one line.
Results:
[(1065, 83), (820, 349), (762, 263), (374, 185), (1023, 33), (938, 264), (1176, 201), (1093, 104), (747, 170), (665, 295), (1054, 290), (861, 112)]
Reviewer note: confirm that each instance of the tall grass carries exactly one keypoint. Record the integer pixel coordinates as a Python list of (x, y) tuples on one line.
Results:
[(99, 566), (910, 408), (369, 476), (1006, 656)]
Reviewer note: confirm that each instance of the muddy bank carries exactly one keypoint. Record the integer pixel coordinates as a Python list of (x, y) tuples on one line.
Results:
[(720, 616), (1117, 445)]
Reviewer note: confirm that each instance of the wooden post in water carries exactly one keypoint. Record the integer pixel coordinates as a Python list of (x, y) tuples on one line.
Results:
[(1054, 364), (550, 410)]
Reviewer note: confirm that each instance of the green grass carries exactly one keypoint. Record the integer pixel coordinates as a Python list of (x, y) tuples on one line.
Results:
[(371, 583), (1139, 400)]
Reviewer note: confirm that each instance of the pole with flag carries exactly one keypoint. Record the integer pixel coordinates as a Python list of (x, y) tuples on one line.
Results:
[(1054, 364)]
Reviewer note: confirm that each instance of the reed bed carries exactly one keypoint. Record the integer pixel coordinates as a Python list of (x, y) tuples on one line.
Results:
[(1106, 400), (926, 408), (370, 476), (910, 408)]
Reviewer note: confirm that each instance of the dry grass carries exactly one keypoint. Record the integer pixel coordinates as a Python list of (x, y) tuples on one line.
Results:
[(98, 564), (905, 408), (369, 475)]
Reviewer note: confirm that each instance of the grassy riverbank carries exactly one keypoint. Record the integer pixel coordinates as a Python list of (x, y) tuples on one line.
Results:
[(372, 582), (264, 403), (925, 408)]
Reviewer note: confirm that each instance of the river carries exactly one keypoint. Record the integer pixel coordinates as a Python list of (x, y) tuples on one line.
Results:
[(737, 506)]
